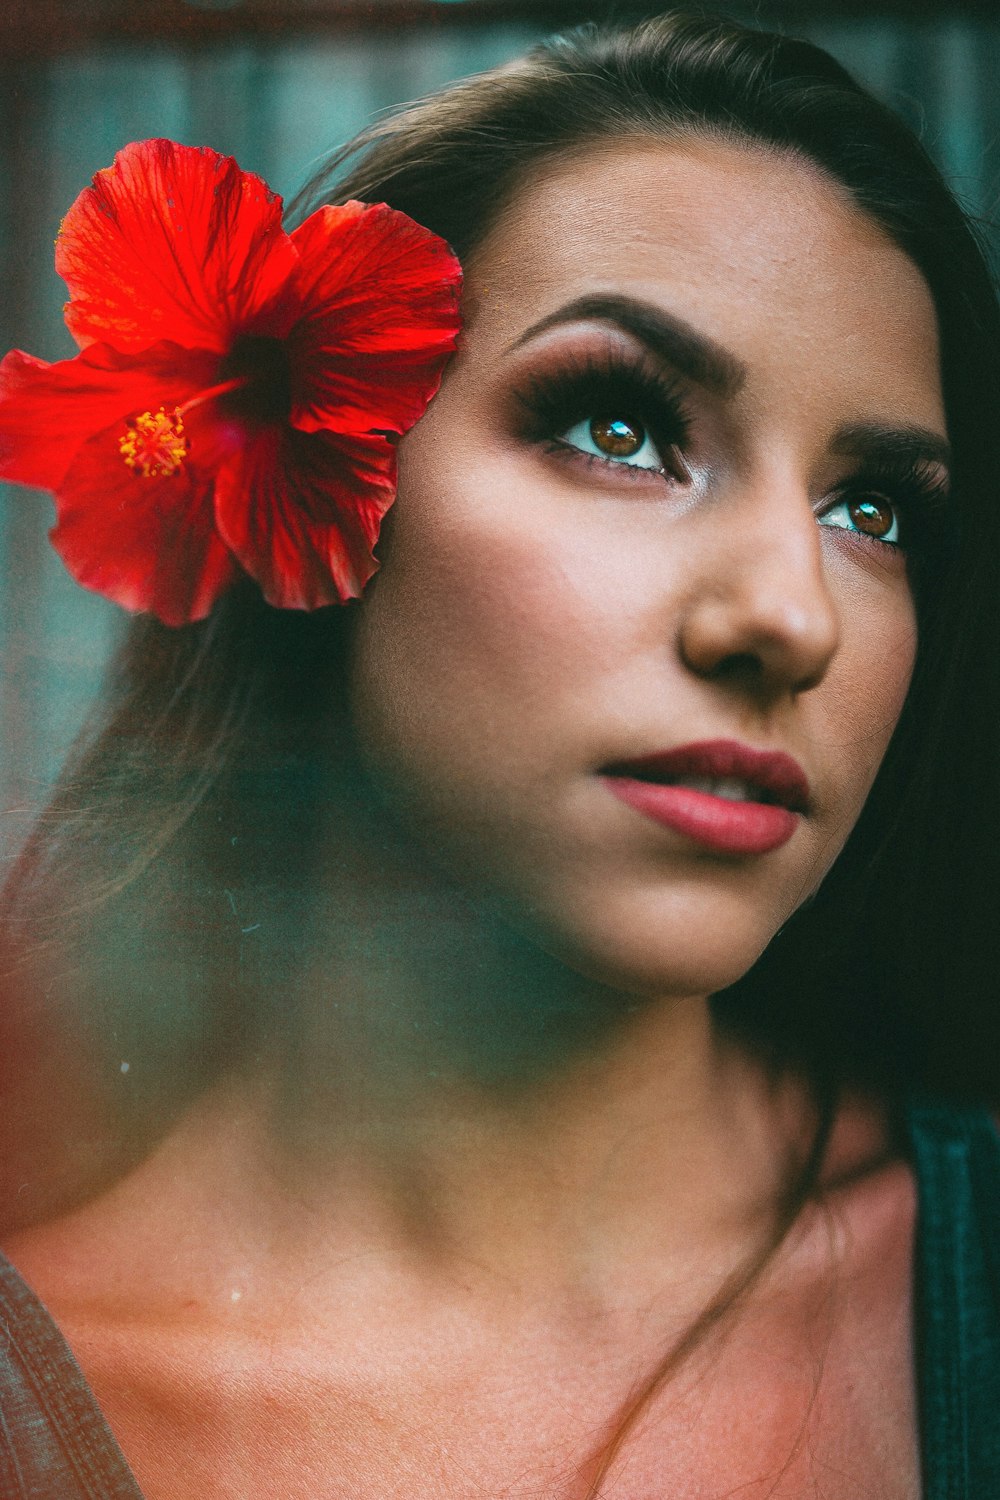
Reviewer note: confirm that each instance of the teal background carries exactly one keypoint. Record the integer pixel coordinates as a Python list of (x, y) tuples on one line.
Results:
[(278, 105)]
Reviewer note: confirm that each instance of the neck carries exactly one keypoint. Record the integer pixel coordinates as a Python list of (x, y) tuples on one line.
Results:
[(430, 1058), (420, 1065)]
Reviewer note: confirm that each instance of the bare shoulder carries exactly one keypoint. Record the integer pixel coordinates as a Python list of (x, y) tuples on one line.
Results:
[(812, 1390), (808, 1390)]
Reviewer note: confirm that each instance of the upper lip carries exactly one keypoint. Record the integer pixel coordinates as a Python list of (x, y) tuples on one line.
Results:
[(775, 774)]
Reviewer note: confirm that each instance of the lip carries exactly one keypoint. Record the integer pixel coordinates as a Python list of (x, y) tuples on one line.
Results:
[(717, 823)]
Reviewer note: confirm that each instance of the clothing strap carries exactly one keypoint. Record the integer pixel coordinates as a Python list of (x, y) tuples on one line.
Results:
[(54, 1441), (957, 1158)]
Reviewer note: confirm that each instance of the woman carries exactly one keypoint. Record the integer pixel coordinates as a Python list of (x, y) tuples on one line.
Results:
[(402, 1149)]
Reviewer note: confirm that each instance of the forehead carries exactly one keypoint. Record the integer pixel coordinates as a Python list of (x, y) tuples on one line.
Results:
[(759, 249)]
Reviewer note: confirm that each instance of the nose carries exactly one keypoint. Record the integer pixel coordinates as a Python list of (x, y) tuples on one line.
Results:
[(761, 610)]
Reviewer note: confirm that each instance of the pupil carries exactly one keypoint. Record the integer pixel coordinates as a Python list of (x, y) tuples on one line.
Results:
[(617, 437), (264, 362), (872, 516)]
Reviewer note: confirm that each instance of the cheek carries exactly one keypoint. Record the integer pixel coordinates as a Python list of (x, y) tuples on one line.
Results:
[(441, 645), (444, 646), (875, 661), (501, 606), (867, 684)]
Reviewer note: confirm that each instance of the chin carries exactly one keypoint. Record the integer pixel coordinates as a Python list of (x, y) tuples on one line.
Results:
[(655, 954)]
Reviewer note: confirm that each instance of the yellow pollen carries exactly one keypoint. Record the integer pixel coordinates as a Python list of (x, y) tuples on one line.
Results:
[(155, 446)]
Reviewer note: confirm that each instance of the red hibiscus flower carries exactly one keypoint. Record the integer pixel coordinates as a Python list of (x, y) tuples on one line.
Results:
[(239, 390)]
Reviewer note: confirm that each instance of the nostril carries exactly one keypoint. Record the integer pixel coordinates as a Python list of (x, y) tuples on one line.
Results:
[(765, 661), (757, 672), (741, 664)]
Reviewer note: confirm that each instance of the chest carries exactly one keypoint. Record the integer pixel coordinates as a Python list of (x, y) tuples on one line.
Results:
[(829, 1416)]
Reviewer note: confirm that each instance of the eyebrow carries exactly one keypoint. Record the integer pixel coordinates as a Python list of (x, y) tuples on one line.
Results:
[(714, 368), (893, 445), (672, 340)]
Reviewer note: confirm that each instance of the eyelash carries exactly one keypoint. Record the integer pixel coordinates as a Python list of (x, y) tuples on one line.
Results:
[(918, 498), (612, 386), (617, 385)]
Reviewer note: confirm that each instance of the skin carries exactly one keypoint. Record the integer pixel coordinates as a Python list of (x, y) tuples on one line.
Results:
[(606, 618), (430, 1282)]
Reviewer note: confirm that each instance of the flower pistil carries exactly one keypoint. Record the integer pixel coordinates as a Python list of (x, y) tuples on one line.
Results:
[(155, 446)]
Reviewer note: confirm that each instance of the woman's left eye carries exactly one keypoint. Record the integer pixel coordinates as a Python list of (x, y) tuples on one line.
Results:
[(615, 438), (872, 515)]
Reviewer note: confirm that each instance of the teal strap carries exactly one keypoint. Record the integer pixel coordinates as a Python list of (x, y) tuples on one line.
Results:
[(957, 1159)]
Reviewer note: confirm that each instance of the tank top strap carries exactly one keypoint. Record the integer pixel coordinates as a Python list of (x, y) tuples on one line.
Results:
[(55, 1443), (956, 1154)]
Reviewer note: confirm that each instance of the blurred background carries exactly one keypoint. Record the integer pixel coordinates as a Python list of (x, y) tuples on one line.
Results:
[(278, 83)]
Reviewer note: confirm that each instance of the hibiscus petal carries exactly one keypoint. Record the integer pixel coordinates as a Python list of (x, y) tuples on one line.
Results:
[(379, 316), (302, 513), (147, 543), (174, 242), (48, 410)]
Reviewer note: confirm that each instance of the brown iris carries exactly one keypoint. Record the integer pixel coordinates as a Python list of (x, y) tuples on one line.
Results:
[(618, 437), (872, 514)]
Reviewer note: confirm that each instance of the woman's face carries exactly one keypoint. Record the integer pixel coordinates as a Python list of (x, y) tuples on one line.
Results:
[(649, 545)]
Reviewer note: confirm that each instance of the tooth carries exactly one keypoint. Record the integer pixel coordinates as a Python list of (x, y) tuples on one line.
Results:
[(732, 790)]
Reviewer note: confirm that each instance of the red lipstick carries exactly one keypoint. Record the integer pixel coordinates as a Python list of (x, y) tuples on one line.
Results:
[(755, 810)]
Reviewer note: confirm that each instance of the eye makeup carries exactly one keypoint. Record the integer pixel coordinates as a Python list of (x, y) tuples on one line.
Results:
[(613, 385), (916, 490), (900, 470)]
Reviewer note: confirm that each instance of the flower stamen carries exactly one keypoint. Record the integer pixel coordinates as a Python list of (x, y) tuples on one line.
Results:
[(155, 445)]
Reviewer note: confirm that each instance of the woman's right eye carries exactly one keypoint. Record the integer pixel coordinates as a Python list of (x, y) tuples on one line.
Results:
[(618, 439)]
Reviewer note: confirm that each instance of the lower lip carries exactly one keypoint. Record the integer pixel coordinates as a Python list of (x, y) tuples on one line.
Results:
[(714, 822)]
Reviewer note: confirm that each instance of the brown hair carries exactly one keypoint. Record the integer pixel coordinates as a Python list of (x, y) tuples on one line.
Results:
[(891, 970), (207, 755), (888, 976)]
